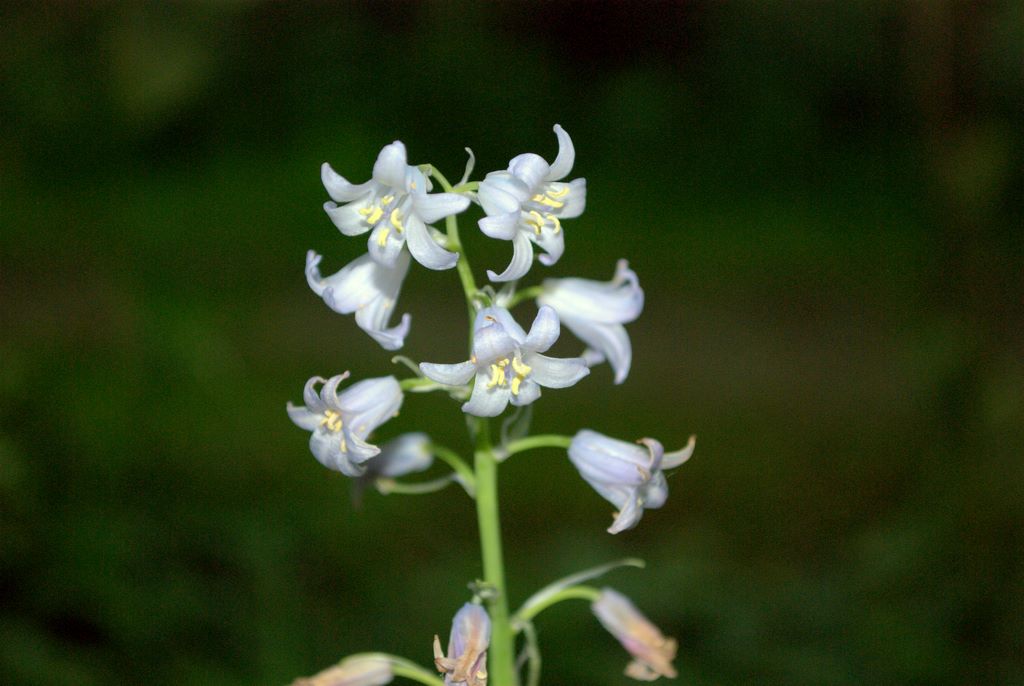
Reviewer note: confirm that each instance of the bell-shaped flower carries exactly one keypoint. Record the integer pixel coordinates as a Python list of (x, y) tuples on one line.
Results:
[(341, 422), (627, 475), (526, 204), (395, 207), (352, 671), (652, 652), (367, 288), (596, 310), (466, 661), (508, 364), (406, 454)]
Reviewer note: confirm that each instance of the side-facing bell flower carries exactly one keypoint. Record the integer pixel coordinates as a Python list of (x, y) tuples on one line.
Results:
[(395, 206), (466, 662), (652, 652), (508, 364), (625, 474), (367, 288), (341, 422), (526, 204), (352, 671), (596, 310)]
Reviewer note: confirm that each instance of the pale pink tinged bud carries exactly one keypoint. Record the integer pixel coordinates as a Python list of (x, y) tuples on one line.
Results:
[(466, 662), (355, 671), (652, 651)]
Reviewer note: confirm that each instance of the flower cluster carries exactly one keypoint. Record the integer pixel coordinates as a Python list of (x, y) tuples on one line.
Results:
[(525, 203)]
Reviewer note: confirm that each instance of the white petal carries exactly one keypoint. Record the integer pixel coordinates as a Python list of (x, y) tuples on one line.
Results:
[(618, 301), (303, 418), (373, 320), (609, 340), (499, 314), (576, 201), (628, 517), (339, 188), (347, 217), (435, 206), (449, 374), (358, 450), (529, 168), (385, 244), (356, 285), (390, 167), (491, 342), (501, 193), (326, 448), (544, 331), (501, 226), (486, 402), (522, 260), (310, 396), (562, 165), (655, 491), (552, 243), (407, 454), (553, 372), (678, 457), (528, 392), (313, 277), (424, 249), (369, 403)]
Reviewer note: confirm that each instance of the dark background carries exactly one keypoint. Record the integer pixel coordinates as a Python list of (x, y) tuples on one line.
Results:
[(823, 202)]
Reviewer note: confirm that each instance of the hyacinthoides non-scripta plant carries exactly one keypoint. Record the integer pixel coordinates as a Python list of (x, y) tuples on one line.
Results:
[(526, 204)]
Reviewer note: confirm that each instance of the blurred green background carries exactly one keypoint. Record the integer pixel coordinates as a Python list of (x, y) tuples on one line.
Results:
[(823, 203)]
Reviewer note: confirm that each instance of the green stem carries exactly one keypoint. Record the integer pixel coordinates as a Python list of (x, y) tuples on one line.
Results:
[(538, 441), (401, 667), (420, 385), (572, 593), (525, 294), (501, 654), (532, 655), (452, 459), (455, 245), (466, 187), (386, 486)]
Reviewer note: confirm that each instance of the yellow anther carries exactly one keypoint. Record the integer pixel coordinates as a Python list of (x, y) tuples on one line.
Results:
[(382, 239), (536, 221), (374, 216), (412, 185), (545, 199), (560, 193), (515, 385), (396, 220), (497, 376), (344, 445), (386, 200), (332, 420), (365, 210), (554, 220), (520, 367)]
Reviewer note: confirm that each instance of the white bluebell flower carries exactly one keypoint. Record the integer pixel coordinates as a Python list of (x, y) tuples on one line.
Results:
[(526, 204), (627, 475), (353, 671), (508, 364), (466, 661), (367, 288), (395, 206), (341, 423), (652, 652), (596, 310)]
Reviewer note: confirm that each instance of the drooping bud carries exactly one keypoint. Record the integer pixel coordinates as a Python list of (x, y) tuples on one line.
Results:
[(653, 653), (353, 671)]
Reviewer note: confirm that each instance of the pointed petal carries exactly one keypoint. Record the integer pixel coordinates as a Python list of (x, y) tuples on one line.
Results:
[(355, 286), (609, 340), (340, 189), (424, 249), (326, 448), (491, 342), (501, 226), (347, 217), (576, 200), (435, 206), (552, 243), (303, 418), (553, 372), (385, 244), (529, 168), (486, 402), (501, 193), (628, 516), (544, 330), (522, 260), (373, 320), (503, 317), (449, 374), (310, 396), (562, 165), (389, 169), (678, 457), (618, 301)]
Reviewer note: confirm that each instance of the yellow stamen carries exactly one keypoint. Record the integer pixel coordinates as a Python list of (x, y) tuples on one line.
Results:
[(520, 367), (396, 220), (544, 199), (332, 420), (560, 193), (386, 200), (554, 220), (382, 239), (515, 385), (497, 376), (375, 214), (536, 221)]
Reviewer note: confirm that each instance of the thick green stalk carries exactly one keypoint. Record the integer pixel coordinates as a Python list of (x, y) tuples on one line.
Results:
[(501, 656)]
